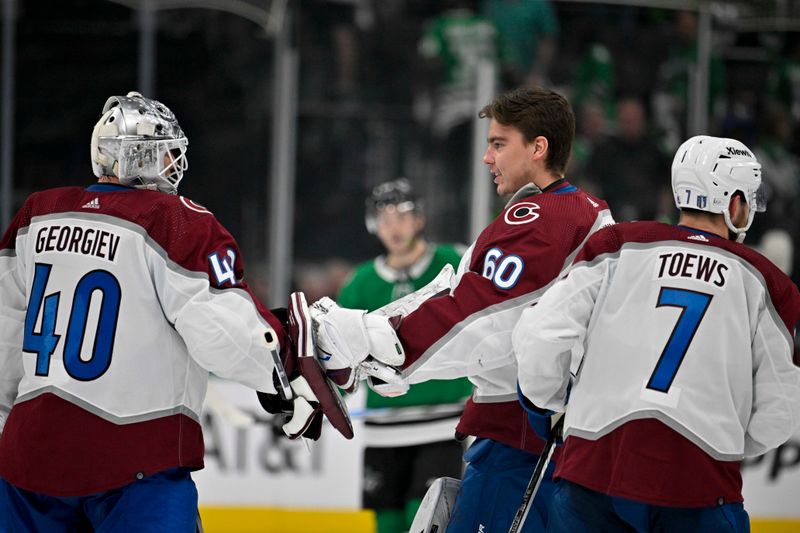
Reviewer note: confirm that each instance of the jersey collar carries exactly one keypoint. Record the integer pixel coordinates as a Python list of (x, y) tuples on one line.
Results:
[(108, 187), (560, 186), (697, 231)]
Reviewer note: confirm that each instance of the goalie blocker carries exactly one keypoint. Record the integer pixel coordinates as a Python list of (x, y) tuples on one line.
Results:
[(305, 393)]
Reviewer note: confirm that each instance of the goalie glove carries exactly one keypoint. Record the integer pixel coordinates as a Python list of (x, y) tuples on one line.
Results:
[(304, 392), (352, 344)]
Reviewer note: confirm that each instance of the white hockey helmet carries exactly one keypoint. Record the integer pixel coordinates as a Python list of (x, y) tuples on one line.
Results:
[(707, 171), (397, 193), (139, 141)]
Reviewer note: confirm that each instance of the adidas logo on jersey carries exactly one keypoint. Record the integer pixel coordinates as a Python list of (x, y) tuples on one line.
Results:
[(701, 238), (94, 204)]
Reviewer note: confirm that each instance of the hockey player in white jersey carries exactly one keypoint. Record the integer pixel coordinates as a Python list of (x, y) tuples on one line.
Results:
[(117, 300), (687, 342)]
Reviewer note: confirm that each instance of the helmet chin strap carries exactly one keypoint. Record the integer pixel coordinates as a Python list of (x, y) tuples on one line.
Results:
[(739, 232)]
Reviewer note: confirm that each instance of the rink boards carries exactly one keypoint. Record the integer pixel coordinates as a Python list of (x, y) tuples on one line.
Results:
[(257, 481)]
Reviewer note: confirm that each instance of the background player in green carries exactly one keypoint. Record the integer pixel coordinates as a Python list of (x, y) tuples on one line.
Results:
[(409, 439)]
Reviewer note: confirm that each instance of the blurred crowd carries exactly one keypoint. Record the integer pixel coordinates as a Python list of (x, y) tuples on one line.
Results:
[(389, 90)]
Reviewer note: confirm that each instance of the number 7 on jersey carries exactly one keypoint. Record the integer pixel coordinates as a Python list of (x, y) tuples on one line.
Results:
[(693, 307)]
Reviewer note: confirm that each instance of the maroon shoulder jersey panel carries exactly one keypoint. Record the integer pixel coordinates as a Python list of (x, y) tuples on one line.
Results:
[(106, 455)]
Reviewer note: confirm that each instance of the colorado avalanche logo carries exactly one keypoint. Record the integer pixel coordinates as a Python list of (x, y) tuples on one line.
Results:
[(194, 206), (522, 213)]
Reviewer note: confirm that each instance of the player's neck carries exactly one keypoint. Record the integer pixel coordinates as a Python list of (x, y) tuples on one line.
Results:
[(545, 179), (412, 254), (709, 224)]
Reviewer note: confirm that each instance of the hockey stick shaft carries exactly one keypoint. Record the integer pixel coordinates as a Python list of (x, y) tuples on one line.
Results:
[(283, 380), (536, 479)]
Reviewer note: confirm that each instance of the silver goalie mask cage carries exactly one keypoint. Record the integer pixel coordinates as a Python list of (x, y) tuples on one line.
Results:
[(139, 141)]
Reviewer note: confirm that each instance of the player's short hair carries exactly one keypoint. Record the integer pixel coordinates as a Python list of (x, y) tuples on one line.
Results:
[(536, 111)]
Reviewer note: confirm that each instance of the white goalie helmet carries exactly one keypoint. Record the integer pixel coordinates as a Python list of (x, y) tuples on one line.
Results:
[(139, 141), (707, 171)]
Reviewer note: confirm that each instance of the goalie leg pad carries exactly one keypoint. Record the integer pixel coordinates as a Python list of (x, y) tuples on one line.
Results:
[(434, 512), (330, 401)]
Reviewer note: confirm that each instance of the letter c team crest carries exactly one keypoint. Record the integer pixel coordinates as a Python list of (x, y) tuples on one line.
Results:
[(522, 213)]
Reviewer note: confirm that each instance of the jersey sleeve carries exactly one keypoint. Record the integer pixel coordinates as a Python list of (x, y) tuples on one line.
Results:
[(12, 311), (468, 331), (545, 338), (776, 383), (211, 306)]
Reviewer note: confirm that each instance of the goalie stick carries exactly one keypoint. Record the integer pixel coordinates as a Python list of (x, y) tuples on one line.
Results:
[(536, 479), (283, 380)]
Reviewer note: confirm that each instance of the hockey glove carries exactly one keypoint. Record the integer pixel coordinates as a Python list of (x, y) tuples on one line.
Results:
[(353, 344), (543, 421), (295, 399)]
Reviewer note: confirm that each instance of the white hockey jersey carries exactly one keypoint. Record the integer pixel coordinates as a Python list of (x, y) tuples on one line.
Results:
[(680, 327), (116, 303)]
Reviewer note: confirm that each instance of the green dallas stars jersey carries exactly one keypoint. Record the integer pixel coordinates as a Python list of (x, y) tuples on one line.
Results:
[(373, 284)]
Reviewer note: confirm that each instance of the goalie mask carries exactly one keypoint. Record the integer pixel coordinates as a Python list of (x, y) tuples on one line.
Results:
[(708, 171), (397, 195), (139, 141)]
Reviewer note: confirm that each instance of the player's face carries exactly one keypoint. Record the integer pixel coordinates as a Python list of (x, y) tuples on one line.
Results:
[(397, 229), (509, 158)]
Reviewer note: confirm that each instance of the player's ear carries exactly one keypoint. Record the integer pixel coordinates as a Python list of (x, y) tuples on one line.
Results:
[(737, 205), (538, 148)]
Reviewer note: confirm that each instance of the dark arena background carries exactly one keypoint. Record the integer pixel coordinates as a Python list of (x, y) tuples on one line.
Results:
[(296, 109)]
